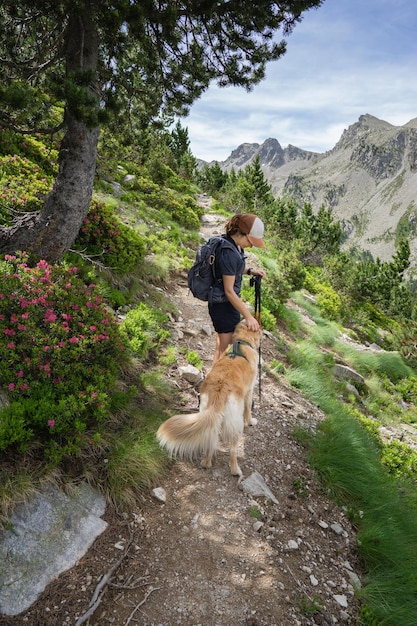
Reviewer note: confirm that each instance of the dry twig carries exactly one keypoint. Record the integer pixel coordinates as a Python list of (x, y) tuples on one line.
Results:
[(99, 590), (141, 603)]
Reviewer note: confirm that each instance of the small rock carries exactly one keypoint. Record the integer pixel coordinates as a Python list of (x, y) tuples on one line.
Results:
[(341, 600), (255, 485), (257, 526), (190, 373), (160, 494), (354, 579), (337, 528), (292, 545)]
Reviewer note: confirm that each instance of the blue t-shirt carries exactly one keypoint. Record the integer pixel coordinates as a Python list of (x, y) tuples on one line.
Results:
[(230, 261)]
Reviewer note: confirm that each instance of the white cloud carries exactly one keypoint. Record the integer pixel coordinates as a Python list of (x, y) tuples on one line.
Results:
[(346, 59)]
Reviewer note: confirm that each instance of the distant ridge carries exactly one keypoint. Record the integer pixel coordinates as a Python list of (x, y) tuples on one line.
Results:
[(369, 180)]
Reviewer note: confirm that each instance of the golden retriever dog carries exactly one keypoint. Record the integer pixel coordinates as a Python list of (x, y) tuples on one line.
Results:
[(225, 405)]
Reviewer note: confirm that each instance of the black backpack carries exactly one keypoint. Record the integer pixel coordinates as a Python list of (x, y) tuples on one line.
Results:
[(202, 275)]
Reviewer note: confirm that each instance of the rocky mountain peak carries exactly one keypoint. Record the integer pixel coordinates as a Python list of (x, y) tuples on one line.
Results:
[(271, 154), (242, 154), (369, 180)]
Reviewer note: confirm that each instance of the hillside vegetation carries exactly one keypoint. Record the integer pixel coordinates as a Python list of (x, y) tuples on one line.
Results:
[(85, 348)]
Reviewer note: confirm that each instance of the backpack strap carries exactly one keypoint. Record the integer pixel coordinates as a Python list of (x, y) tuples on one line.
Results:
[(222, 243)]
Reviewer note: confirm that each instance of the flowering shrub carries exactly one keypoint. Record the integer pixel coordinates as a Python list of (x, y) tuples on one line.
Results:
[(117, 245), (60, 347)]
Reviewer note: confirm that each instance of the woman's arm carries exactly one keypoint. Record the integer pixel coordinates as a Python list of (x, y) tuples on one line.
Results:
[(237, 303)]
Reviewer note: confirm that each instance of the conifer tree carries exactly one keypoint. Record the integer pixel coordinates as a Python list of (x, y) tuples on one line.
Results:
[(125, 59), (262, 189)]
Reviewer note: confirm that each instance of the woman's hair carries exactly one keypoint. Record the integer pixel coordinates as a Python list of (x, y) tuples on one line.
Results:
[(233, 226)]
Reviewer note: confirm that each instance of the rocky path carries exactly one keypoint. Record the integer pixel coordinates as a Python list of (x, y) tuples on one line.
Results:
[(201, 550)]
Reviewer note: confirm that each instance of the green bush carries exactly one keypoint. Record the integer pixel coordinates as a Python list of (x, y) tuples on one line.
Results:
[(328, 301), (102, 235), (192, 357), (268, 320), (399, 459), (407, 387), (60, 347), (143, 330), (23, 184), (179, 207)]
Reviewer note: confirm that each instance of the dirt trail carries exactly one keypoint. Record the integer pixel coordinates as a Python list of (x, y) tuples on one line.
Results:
[(211, 555)]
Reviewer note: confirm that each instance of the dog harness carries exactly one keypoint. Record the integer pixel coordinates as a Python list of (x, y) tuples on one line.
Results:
[(236, 350)]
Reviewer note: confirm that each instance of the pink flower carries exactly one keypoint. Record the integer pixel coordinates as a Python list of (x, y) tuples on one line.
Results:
[(51, 423), (23, 387), (21, 327), (20, 374), (73, 340), (10, 345), (94, 394), (49, 316), (13, 318), (11, 386)]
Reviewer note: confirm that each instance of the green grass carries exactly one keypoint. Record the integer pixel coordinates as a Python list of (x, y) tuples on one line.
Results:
[(349, 463), (389, 364), (349, 460)]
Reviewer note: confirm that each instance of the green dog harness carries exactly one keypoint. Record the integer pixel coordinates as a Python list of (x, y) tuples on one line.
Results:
[(236, 350)]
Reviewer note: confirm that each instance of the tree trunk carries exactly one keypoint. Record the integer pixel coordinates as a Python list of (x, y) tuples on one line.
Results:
[(49, 233)]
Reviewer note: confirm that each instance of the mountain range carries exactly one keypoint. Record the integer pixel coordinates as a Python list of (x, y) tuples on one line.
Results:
[(369, 180)]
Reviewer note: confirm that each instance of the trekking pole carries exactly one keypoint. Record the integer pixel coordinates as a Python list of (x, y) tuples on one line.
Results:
[(255, 281)]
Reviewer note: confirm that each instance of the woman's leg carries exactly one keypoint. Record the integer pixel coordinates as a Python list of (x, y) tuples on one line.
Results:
[(223, 340)]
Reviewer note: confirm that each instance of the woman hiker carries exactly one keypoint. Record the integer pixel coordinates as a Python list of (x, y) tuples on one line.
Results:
[(243, 231)]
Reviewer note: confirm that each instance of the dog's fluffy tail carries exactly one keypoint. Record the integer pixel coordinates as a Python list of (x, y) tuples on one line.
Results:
[(190, 436)]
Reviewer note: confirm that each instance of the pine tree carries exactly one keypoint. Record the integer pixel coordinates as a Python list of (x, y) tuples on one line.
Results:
[(262, 190), (117, 62)]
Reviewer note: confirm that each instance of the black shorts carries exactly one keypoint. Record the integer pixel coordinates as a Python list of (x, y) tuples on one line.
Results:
[(224, 317)]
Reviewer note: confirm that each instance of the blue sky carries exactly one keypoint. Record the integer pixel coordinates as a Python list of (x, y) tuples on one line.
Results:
[(345, 59)]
